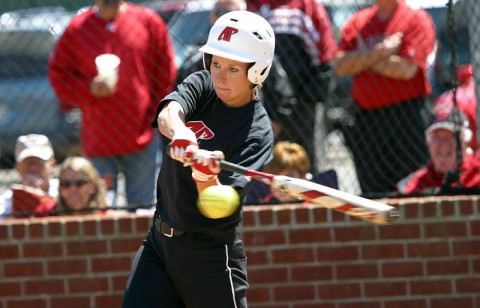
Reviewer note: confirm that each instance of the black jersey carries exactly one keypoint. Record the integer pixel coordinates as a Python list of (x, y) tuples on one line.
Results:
[(244, 134)]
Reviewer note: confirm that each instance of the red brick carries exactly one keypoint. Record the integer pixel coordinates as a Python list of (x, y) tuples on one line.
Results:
[(125, 225), (476, 266), (268, 275), (112, 264), (71, 302), (397, 232), (265, 217), (67, 267), (410, 212), (108, 300), (257, 257), (466, 207), (82, 285), (337, 253), (466, 247), (382, 251), (283, 216), (468, 285), (248, 217), (447, 267), (125, 245), (410, 303), (91, 247), (402, 269), (475, 227), (9, 251), (348, 234), (119, 282), (339, 291), (303, 214), (10, 289), (4, 231), (23, 269), (361, 305), (432, 209), (313, 235), (142, 224), (54, 229), (453, 229), (44, 287), (291, 293), (72, 228), (293, 255), (107, 226), (428, 250), (42, 250), (311, 273), (264, 238), (18, 230), (258, 294), (385, 289), (90, 228), (448, 302), (356, 271), (36, 229), (27, 303), (320, 214), (437, 286)]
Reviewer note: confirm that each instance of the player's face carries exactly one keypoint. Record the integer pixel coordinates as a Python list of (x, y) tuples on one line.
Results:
[(76, 189), (443, 150), (230, 81)]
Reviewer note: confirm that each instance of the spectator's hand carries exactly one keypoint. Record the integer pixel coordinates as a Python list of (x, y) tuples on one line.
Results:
[(99, 87), (33, 180), (391, 43), (206, 165), (183, 147)]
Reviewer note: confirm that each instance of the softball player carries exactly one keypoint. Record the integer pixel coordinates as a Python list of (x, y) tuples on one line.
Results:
[(188, 260)]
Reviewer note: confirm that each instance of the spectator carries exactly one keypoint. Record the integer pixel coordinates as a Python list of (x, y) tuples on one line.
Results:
[(189, 260), (289, 159), (81, 187), (465, 99), (306, 48), (116, 135), (443, 173), (35, 165), (277, 93), (385, 48)]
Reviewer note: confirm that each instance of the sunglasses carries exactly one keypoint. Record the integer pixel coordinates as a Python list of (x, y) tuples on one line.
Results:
[(76, 183)]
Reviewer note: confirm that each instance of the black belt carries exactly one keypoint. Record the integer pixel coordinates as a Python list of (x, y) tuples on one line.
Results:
[(166, 229)]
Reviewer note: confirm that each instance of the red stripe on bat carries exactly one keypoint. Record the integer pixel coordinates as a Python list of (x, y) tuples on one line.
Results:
[(312, 194)]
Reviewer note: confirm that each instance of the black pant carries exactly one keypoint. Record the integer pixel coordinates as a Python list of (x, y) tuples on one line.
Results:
[(387, 144), (190, 270)]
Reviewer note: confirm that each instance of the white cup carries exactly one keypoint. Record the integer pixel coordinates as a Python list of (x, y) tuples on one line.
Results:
[(107, 67)]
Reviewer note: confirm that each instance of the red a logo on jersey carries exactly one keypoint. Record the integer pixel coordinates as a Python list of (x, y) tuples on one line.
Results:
[(200, 130), (227, 34)]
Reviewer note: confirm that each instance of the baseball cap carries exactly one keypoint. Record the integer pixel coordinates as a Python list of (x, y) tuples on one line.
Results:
[(33, 145), (447, 117)]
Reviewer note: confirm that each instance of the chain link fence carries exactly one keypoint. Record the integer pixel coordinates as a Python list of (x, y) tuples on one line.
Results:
[(29, 30)]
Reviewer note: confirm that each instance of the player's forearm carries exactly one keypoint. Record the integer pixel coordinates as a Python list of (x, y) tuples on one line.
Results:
[(396, 67), (171, 119)]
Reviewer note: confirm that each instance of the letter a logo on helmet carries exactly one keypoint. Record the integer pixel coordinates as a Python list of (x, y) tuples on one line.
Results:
[(227, 34)]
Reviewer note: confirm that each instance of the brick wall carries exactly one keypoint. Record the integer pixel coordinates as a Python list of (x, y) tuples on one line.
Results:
[(299, 256)]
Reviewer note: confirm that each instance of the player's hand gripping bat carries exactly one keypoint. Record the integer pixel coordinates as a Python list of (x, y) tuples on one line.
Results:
[(349, 204)]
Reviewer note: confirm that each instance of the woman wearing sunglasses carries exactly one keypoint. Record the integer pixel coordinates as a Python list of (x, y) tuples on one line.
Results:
[(81, 189)]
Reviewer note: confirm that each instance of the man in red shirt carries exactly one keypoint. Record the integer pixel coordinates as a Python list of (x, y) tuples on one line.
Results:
[(384, 48), (443, 173), (305, 46), (116, 132), (465, 99)]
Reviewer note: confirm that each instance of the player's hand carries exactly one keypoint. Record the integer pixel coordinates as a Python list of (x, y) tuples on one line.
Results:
[(99, 87), (183, 146), (206, 165)]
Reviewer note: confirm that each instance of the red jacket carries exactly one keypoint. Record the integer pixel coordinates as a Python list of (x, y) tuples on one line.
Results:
[(372, 90), (426, 179), (119, 124)]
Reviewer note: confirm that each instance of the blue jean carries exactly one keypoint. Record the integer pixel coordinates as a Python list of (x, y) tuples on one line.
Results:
[(139, 169)]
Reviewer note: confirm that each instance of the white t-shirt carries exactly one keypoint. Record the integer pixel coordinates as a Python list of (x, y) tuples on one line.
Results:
[(6, 199)]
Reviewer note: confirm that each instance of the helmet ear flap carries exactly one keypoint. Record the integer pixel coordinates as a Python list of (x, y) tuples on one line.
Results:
[(207, 61)]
